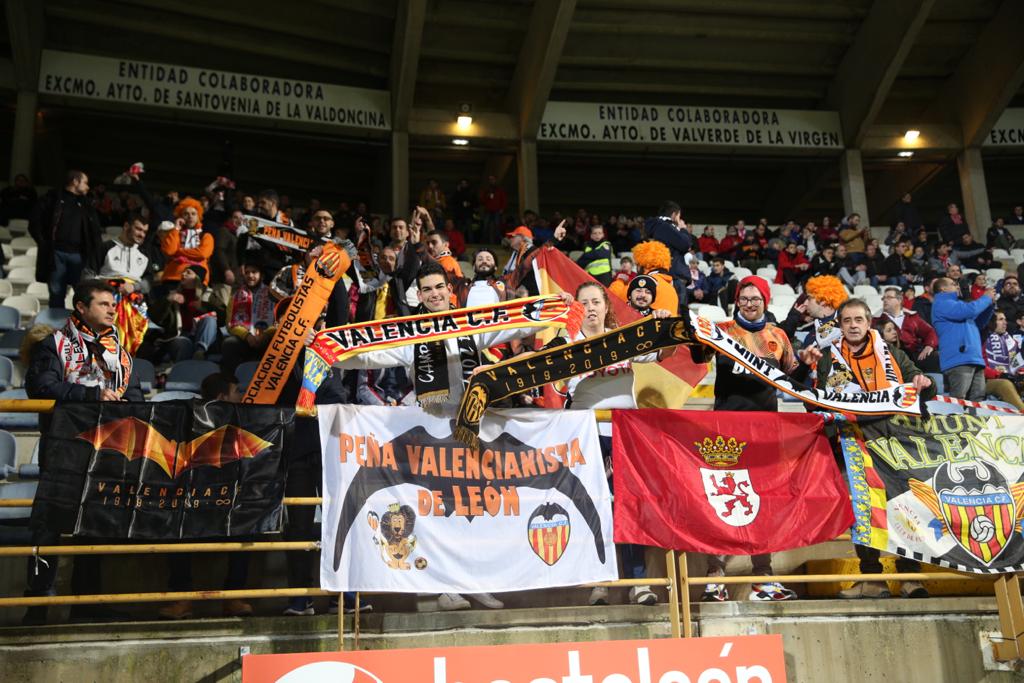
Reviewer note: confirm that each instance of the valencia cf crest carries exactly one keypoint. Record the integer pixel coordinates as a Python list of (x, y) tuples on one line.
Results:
[(548, 532), (974, 504)]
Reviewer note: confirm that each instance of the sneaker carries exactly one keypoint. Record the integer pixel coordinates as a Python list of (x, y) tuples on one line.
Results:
[(599, 596), (450, 602), (715, 592), (642, 595), (332, 605), (299, 607), (350, 604), (199, 354), (866, 589), (237, 608), (913, 589), (486, 600), (175, 611), (770, 592)]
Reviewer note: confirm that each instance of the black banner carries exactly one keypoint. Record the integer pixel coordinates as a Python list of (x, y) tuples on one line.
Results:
[(162, 471)]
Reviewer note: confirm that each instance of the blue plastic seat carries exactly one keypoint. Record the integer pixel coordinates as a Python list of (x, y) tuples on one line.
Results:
[(188, 375), (10, 319), (54, 317), (244, 372), (18, 421), (10, 343), (146, 373)]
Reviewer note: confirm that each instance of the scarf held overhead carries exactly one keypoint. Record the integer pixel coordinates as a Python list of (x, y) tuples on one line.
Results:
[(897, 399), (336, 344), (523, 373)]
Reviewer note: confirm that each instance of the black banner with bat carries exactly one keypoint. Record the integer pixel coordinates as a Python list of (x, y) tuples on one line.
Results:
[(162, 471)]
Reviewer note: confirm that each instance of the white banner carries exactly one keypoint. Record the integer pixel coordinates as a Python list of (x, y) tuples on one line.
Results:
[(409, 509), (681, 125), (190, 88), (1008, 131)]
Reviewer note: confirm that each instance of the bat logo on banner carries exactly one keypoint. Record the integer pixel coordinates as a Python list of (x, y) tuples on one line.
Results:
[(134, 439), (369, 480)]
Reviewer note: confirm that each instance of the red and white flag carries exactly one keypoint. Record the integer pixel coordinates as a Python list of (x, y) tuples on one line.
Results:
[(735, 483)]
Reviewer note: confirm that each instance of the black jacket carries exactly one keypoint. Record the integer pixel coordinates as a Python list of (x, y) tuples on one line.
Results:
[(45, 380), (68, 220), (678, 242)]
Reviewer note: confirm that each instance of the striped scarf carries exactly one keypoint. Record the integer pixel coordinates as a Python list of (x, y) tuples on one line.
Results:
[(92, 360)]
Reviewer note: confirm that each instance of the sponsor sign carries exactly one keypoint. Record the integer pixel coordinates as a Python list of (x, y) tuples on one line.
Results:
[(409, 508), (1008, 131), (747, 659), (637, 124), (190, 88)]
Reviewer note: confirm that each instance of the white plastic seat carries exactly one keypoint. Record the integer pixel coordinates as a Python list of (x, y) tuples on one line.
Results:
[(713, 313), (994, 275), (22, 244), (777, 289), (18, 226), (32, 251), (864, 291), (768, 273), (21, 261), (8, 252), (5, 234), (39, 290), (740, 273), (1000, 253), (6, 288), (27, 305), (21, 276), (575, 254), (703, 267)]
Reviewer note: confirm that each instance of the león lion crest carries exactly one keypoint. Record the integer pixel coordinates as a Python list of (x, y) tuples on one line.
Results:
[(728, 489), (393, 535)]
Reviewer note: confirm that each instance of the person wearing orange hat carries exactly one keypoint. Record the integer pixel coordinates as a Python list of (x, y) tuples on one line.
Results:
[(184, 242), (519, 268), (737, 389)]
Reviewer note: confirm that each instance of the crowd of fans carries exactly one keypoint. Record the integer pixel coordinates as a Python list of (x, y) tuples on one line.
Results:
[(188, 278)]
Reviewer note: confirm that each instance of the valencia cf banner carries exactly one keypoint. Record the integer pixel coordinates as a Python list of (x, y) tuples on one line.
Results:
[(408, 508), (946, 490), (734, 483), (162, 471)]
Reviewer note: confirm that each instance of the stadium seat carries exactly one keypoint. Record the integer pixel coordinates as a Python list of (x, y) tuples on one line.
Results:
[(20, 277), (466, 268), (713, 313), (188, 375), (703, 267), (6, 373), (918, 290), (994, 275), (146, 374), (10, 491), (730, 265), (10, 343), (768, 273), (22, 244), (782, 299), (781, 289), (1000, 254), (8, 452), (244, 373), (575, 254), (8, 252), (6, 288), (39, 290), (5, 234), (740, 273), (54, 317), (18, 226), (112, 231), (174, 396), (27, 305), (21, 261), (32, 251), (21, 421), (10, 318), (862, 291)]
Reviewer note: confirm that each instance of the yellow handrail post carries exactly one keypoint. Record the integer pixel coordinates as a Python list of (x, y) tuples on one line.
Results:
[(673, 591), (1011, 619), (355, 621), (341, 622), (684, 595)]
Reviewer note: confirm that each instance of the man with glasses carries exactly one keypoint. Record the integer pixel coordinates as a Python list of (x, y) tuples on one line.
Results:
[(917, 338), (737, 389)]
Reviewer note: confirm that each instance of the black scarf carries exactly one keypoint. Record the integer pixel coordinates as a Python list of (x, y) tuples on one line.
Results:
[(523, 373), (430, 366)]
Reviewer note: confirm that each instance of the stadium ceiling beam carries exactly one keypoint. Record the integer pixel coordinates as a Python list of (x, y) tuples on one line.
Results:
[(746, 8), (26, 26), (870, 66), (405, 59), (987, 77), (7, 81), (538, 61), (247, 42)]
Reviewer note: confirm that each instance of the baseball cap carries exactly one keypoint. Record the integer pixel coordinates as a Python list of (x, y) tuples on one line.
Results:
[(522, 231)]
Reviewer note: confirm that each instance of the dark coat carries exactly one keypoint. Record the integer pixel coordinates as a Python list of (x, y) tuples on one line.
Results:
[(678, 243), (61, 212)]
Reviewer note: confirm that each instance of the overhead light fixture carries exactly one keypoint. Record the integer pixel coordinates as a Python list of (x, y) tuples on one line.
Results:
[(911, 135), (461, 142), (906, 154), (464, 117)]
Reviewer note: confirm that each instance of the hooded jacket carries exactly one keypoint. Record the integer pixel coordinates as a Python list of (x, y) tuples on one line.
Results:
[(958, 325), (678, 242)]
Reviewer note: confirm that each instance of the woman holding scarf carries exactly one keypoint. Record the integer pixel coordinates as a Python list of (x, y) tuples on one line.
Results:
[(612, 387)]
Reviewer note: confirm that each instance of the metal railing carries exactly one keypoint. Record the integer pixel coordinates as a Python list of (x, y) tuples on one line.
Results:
[(677, 580)]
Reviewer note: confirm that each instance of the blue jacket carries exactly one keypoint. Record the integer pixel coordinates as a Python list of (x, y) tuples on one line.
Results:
[(958, 325), (678, 243)]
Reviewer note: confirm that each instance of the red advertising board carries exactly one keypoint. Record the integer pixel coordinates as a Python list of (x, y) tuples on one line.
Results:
[(742, 659)]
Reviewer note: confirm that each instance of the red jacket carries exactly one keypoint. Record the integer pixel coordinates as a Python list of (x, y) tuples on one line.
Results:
[(787, 262), (915, 333), (707, 245)]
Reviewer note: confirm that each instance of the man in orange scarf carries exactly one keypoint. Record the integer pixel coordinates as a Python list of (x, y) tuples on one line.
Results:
[(184, 243)]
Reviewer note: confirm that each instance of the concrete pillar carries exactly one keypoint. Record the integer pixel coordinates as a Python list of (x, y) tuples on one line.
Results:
[(529, 186), (399, 173), (851, 178), (976, 208), (24, 133)]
